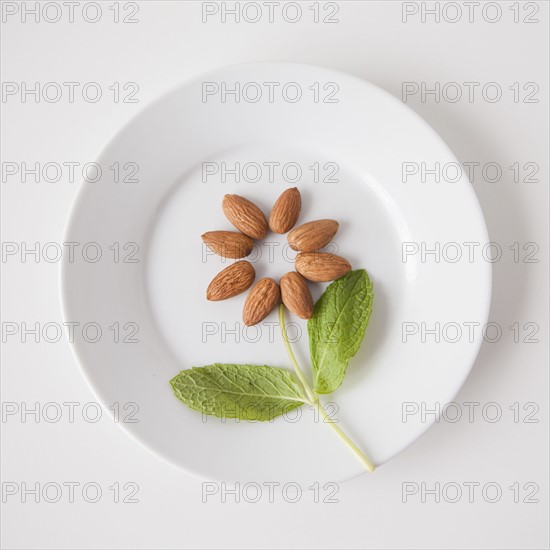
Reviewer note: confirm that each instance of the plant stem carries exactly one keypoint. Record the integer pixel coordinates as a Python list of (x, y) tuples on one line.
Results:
[(345, 438), (314, 398), (309, 392)]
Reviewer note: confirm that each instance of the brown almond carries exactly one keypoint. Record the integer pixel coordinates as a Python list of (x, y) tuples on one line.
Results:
[(228, 244), (296, 295), (263, 297), (231, 281), (321, 266), (285, 211), (312, 236), (245, 216)]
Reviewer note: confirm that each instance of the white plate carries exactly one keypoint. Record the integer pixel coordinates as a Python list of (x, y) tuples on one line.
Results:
[(368, 134)]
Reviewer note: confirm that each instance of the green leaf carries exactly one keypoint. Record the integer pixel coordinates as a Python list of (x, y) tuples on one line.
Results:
[(337, 327), (247, 392)]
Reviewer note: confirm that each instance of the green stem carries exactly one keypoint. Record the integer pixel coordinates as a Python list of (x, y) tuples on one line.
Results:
[(345, 438), (309, 392), (314, 398)]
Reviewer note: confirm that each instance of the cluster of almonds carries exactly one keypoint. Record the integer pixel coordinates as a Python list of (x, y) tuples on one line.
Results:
[(307, 239)]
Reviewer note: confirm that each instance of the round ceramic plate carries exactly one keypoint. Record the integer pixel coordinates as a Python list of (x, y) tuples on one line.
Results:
[(138, 278)]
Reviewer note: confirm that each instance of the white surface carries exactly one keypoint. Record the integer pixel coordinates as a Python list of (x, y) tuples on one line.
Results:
[(370, 135), (169, 44)]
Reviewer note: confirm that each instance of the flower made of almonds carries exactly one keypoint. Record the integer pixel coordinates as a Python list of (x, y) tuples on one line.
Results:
[(307, 239)]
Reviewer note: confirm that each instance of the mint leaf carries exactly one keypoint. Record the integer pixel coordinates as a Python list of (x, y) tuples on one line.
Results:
[(247, 392), (337, 327)]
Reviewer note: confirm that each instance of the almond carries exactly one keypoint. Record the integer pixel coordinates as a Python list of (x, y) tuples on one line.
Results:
[(231, 281), (312, 235), (260, 301), (296, 295), (321, 266), (245, 216), (285, 211), (228, 244)]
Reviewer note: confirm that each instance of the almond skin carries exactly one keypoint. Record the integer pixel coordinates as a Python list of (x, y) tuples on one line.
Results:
[(263, 297), (245, 216), (312, 236), (231, 281), (296, 295), (321, 266), (228, 244), (285, 211)]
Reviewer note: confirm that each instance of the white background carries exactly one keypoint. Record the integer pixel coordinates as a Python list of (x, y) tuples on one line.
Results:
[(168, 44)]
